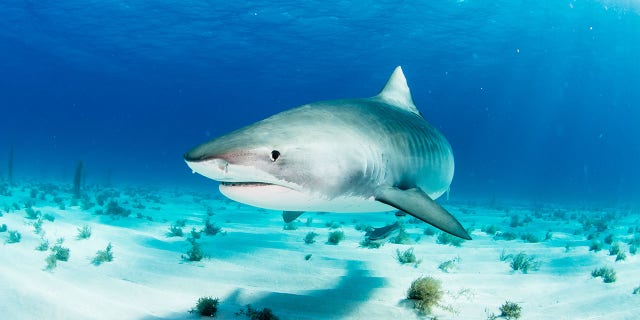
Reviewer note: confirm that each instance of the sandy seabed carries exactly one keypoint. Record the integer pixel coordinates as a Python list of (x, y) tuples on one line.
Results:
[(255, 260)]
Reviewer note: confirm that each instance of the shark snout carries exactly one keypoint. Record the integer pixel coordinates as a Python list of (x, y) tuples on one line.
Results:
[(195, 155), (215, 169)]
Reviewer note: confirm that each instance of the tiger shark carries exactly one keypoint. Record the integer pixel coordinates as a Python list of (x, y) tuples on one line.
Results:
[(352, 155)]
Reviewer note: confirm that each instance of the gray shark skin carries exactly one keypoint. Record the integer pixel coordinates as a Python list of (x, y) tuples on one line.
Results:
[(353, 155)]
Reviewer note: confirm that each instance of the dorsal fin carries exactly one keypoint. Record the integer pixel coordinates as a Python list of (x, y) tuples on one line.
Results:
[(396, 92)]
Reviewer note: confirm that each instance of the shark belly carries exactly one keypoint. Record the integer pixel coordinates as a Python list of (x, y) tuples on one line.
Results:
[(274, 197)]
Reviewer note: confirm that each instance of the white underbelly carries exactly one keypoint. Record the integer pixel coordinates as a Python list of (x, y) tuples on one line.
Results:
[(280, 198)]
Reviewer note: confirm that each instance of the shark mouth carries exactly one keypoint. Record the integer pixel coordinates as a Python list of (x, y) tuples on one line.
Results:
[(245, 184), (263, 188), (218, 169)]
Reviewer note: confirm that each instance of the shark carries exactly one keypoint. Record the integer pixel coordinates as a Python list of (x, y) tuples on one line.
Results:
[(374, 154)]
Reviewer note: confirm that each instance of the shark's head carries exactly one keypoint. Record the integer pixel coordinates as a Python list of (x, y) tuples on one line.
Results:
[(284, 158)]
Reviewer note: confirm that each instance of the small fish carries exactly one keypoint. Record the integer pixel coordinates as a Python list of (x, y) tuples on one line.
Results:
[(381, 233)]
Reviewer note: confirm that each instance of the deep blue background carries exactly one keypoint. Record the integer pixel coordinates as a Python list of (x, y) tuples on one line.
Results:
[(540, 99)]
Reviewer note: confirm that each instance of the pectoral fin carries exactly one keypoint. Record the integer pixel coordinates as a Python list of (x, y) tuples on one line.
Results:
[(418, 204), (289, 216)]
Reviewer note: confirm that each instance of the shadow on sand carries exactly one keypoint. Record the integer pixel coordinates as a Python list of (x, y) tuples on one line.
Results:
[(352, 289)]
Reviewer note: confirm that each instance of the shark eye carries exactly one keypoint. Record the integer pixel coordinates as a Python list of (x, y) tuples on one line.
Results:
[(274, 155)]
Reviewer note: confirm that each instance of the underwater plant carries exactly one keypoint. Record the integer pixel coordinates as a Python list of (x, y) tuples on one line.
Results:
[(504, 256), (254, 314), (595, 246), (402, 237), (31, 213), (510, 310), (608, 275), (523, 262), (139, 205), (195, 252), (114, 209), (175, 230), (529, 237), (84, 232), (505, 236), (3, 228), (332, 225), (490, 229), (52, 262), (206, 307), (44, 245), (614, 249), (407, 256), (37, 226), (105, 195), (560, 214), (636, 290), (335, 237), (14, 237), (371, 244), (601, 224), (608, 239), (61, 253), (103, 256), (426, 293), (445, 238), (195, 234), (310, 238), (49, 217), (58, 252), (210, 228)]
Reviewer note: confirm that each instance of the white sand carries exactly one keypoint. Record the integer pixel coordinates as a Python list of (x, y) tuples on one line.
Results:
[(256, 262)]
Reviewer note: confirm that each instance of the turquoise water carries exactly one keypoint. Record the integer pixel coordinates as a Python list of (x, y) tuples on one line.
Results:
[(538, 98)]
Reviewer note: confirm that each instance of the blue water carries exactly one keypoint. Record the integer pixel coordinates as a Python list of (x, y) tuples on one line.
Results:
[(539, 99)]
